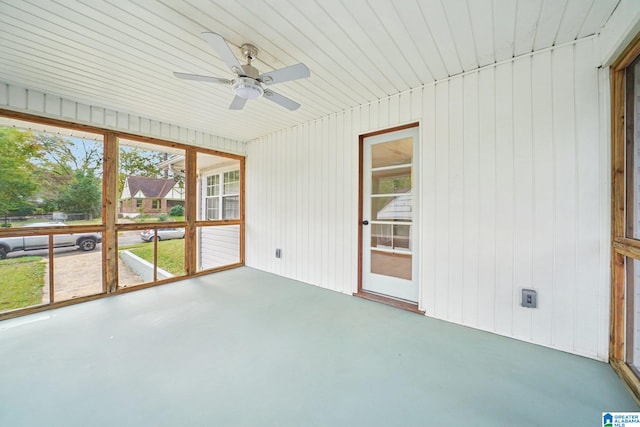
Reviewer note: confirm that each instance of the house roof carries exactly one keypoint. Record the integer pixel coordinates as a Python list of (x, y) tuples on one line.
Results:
[(152, 188), (121, 55)]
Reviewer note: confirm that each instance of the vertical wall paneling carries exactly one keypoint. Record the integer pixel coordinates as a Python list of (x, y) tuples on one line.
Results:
[(487, 209), (35, 101), (53, 105), (394, 110), (83, 113), (604, 291), (512, 181), (363, 123), (566, 214), (333, 182), (587, 172), (17, 97), (428, 244), (523, 195), (341, 220), (416, 105), (4, 94), (456, 195), (351, 196), (374, 120), (504, 199), (325, 215), (441, 202), (383, 113), (97, 116), (110, 118), (470, 209), (404, 109), (309, 197), (68, 109), (543, 198), (316, 202)]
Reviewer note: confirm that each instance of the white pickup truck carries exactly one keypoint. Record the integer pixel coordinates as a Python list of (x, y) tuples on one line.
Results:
[(85, 241)]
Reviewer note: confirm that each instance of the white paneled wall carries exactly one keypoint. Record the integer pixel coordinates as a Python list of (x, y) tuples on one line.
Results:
[(514, 176), (30, 101)]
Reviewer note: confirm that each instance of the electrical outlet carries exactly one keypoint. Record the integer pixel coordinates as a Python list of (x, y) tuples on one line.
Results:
[(529, 298), (278, 253)]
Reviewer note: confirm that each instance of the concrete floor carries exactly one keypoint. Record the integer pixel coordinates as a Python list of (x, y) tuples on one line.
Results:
[(246, 348)]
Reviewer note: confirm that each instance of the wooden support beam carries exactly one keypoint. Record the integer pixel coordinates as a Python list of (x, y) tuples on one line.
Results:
[(629, 378), (242, 209), (109, 214), (191, 213)]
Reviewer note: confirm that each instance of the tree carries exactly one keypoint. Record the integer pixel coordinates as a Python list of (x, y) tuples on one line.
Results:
[(136, 162), (59, 159), (83, 195), (17, 150)]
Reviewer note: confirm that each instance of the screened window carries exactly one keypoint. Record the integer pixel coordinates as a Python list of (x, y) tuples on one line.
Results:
[(223, 201)]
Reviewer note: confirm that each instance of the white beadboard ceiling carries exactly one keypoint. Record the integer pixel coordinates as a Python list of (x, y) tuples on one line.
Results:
[(121, 54)]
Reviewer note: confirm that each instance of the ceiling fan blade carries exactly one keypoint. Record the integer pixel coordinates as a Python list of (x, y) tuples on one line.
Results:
[(292, 72), (282, 100), (220, 46), (200, 78), (237, 103)]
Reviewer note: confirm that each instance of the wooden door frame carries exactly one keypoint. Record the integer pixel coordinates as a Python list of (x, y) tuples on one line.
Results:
[(621, 246), (362, 293)]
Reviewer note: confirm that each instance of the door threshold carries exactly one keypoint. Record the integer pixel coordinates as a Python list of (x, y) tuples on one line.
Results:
[(394, 302)]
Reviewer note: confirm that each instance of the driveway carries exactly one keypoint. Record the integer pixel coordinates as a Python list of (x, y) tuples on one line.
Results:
[(78, 273)]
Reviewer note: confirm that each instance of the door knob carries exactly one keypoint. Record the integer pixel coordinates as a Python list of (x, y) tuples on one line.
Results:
[(365, 222)]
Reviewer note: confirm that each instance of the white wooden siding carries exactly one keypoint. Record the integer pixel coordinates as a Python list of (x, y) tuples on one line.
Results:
[(513, 194), (16, 98), (219, 246)]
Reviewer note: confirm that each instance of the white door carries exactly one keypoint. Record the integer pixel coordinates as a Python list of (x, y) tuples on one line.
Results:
[(389, 249)]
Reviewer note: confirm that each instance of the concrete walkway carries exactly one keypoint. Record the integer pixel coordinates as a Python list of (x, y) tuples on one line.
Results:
[(79, 273), (247, 348)]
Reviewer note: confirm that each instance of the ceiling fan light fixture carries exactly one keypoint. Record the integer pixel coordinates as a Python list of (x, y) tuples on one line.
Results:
[(247, 88)]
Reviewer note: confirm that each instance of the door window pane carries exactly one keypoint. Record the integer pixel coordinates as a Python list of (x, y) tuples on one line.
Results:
[(391, 237), (398, 208), (392, 153), (391, 181), (390, 264)]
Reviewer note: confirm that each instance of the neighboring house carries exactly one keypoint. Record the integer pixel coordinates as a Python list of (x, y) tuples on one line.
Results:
[(144, 195), (218, 199)]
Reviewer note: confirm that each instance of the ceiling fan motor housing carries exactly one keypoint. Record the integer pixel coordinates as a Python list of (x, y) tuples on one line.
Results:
[(246, 87)]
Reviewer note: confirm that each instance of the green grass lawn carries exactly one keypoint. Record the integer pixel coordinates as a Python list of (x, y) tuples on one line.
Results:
[(95, 221), (170, 254), (21, 282)]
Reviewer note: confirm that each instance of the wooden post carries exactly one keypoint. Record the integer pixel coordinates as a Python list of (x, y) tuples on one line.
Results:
[(242, 208), (51, 271), (109, 215), (191, 212)]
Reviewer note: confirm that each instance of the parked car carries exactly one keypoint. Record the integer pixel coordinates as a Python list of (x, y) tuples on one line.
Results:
[(85, 241), (163, 234)]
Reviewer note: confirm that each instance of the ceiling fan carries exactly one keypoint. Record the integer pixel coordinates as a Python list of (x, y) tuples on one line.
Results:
[(248, 83)]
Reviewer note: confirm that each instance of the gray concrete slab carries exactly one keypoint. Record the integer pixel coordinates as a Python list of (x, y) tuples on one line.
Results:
[(247, 348)]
